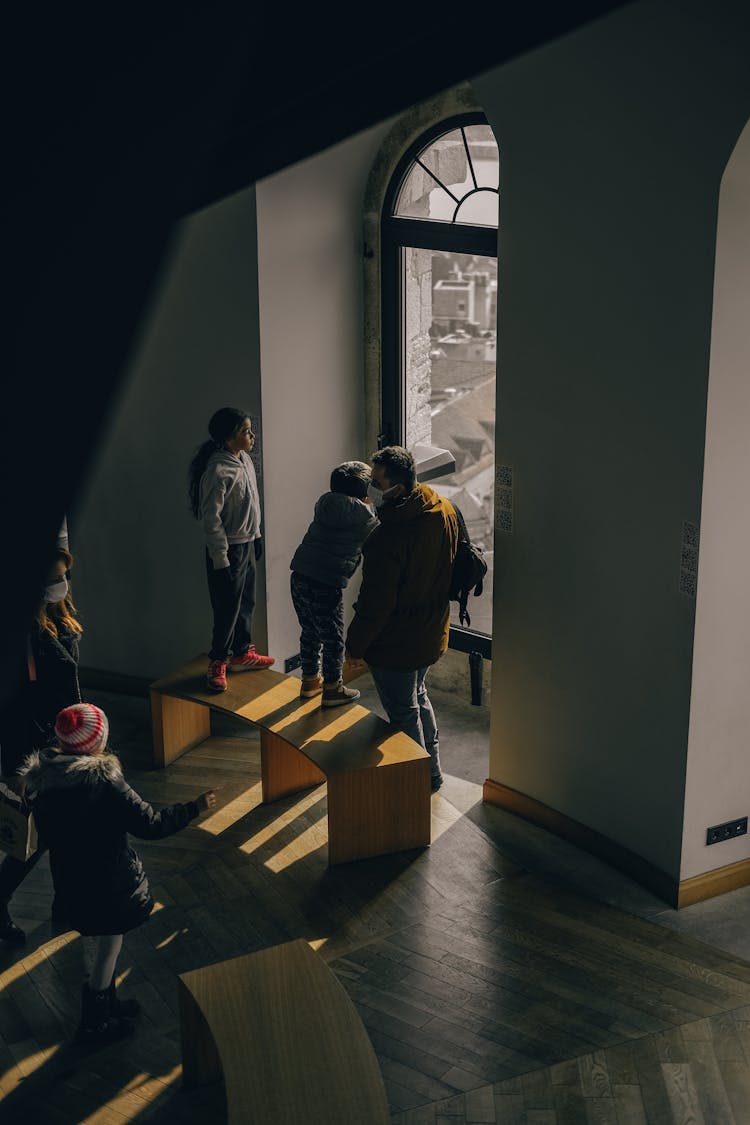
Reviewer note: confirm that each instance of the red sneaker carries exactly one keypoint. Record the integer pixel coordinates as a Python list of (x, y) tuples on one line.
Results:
[(217, 675), (250, 661)]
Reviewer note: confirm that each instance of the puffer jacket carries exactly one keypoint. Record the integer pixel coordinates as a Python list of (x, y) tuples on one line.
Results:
[(84, 809), (229, 503), (332, 545), (402, 613)]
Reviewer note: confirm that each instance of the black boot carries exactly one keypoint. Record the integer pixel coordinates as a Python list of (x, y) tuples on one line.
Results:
[(97, 1026), (9, 931), (119, 1008)]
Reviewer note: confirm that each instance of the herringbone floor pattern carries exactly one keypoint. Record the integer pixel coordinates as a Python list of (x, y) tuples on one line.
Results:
[(489, 995)]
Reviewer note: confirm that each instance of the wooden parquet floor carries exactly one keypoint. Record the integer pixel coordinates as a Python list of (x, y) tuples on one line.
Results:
[(489, 995)]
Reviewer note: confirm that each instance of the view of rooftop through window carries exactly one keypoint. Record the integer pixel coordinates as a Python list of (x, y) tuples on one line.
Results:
[(450, 385), (448, 316)]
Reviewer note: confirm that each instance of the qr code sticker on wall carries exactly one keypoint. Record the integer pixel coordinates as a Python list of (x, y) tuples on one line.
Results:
[(688, 583), (505, 499), (690, 534), (690, 559)]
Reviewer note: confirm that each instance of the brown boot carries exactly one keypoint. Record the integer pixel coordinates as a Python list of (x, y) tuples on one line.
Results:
[(311, 686), (336, 695)]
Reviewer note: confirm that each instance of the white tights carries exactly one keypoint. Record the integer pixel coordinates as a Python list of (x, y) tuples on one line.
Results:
[(101, 955)]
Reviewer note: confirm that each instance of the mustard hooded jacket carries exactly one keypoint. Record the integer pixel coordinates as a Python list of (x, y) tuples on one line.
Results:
[(402, 613)]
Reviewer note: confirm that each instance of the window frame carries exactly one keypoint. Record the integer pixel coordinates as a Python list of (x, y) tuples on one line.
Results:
[(397, 234)]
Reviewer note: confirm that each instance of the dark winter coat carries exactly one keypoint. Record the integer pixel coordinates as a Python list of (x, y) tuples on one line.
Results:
[(84, 809), (27, 720), (402, 613), (332, 546)]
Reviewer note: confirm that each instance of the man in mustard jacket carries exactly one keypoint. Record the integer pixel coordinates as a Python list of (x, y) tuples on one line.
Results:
[(402, 614)]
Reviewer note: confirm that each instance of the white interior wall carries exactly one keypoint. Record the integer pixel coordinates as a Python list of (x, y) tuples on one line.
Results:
[(201, 348), (613, 141), (139, 578), (311, 343), (718, 769)]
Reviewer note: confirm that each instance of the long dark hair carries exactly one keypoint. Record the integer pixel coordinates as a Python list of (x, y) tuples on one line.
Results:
[(224, 424)]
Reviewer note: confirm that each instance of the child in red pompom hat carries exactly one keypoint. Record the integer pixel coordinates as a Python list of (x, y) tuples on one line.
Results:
[(82, 729), (84, 810)]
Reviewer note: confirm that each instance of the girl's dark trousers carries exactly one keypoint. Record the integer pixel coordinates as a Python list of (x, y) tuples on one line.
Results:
[(232, 593)]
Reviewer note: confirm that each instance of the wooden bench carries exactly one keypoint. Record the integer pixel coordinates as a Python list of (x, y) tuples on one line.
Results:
[(378, 779), (288, 1041)]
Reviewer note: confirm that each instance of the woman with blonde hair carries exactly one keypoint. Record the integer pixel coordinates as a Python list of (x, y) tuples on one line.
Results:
[(47, 682)]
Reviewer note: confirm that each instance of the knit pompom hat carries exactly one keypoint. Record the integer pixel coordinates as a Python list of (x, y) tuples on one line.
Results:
[(82, 729)]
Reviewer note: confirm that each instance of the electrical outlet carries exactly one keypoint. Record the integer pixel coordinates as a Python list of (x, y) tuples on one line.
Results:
[(727, 831), (292, 662)]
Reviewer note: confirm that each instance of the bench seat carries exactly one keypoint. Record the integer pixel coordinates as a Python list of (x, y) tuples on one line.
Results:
[(286, 1038), (378, 778)]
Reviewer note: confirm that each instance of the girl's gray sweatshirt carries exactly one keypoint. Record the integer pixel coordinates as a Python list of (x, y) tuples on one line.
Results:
[(230, 506)]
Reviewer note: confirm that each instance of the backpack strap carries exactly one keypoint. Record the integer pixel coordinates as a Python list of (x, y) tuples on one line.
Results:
[(463, 537), (463, 533)]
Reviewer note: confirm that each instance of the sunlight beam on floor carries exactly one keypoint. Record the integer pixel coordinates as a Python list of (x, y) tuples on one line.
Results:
[(168, 940), (303, 845), (280, 823), (135, 1097), (233, 811)]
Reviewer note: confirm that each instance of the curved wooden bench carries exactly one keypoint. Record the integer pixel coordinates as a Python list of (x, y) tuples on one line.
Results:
[(378, 779), (283, 1033)]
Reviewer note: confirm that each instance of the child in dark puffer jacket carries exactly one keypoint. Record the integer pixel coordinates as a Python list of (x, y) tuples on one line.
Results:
[(84, 809), (322, 565)]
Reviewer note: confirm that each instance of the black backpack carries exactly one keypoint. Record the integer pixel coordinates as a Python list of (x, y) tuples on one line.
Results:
[(469, 569)]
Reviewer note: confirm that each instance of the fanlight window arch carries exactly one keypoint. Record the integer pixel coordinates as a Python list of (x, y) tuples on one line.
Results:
[(455, 178)]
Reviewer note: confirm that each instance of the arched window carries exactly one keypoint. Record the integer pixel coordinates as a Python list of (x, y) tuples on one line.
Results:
[(439, 316)]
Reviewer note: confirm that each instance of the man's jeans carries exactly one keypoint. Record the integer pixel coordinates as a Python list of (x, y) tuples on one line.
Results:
[(407, 705)]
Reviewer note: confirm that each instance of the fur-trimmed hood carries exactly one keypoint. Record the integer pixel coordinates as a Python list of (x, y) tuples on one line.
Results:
[(50, 769)]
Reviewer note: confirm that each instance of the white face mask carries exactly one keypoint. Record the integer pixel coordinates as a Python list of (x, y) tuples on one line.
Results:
[(57, 591), (375, 494)]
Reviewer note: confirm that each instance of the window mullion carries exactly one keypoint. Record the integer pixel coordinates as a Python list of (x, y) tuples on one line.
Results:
[(443, 236)]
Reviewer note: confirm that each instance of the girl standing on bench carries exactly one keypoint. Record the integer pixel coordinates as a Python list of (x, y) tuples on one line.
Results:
[(84, 810), (224, 494)]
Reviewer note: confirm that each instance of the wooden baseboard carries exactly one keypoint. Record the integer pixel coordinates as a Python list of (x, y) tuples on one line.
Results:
[(675, 893), (712, 883), (631, 864)]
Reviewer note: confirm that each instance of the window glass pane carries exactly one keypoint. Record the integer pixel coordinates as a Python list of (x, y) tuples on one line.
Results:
[(479, 209), (449, 341), (443, 176), (484, 155)]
